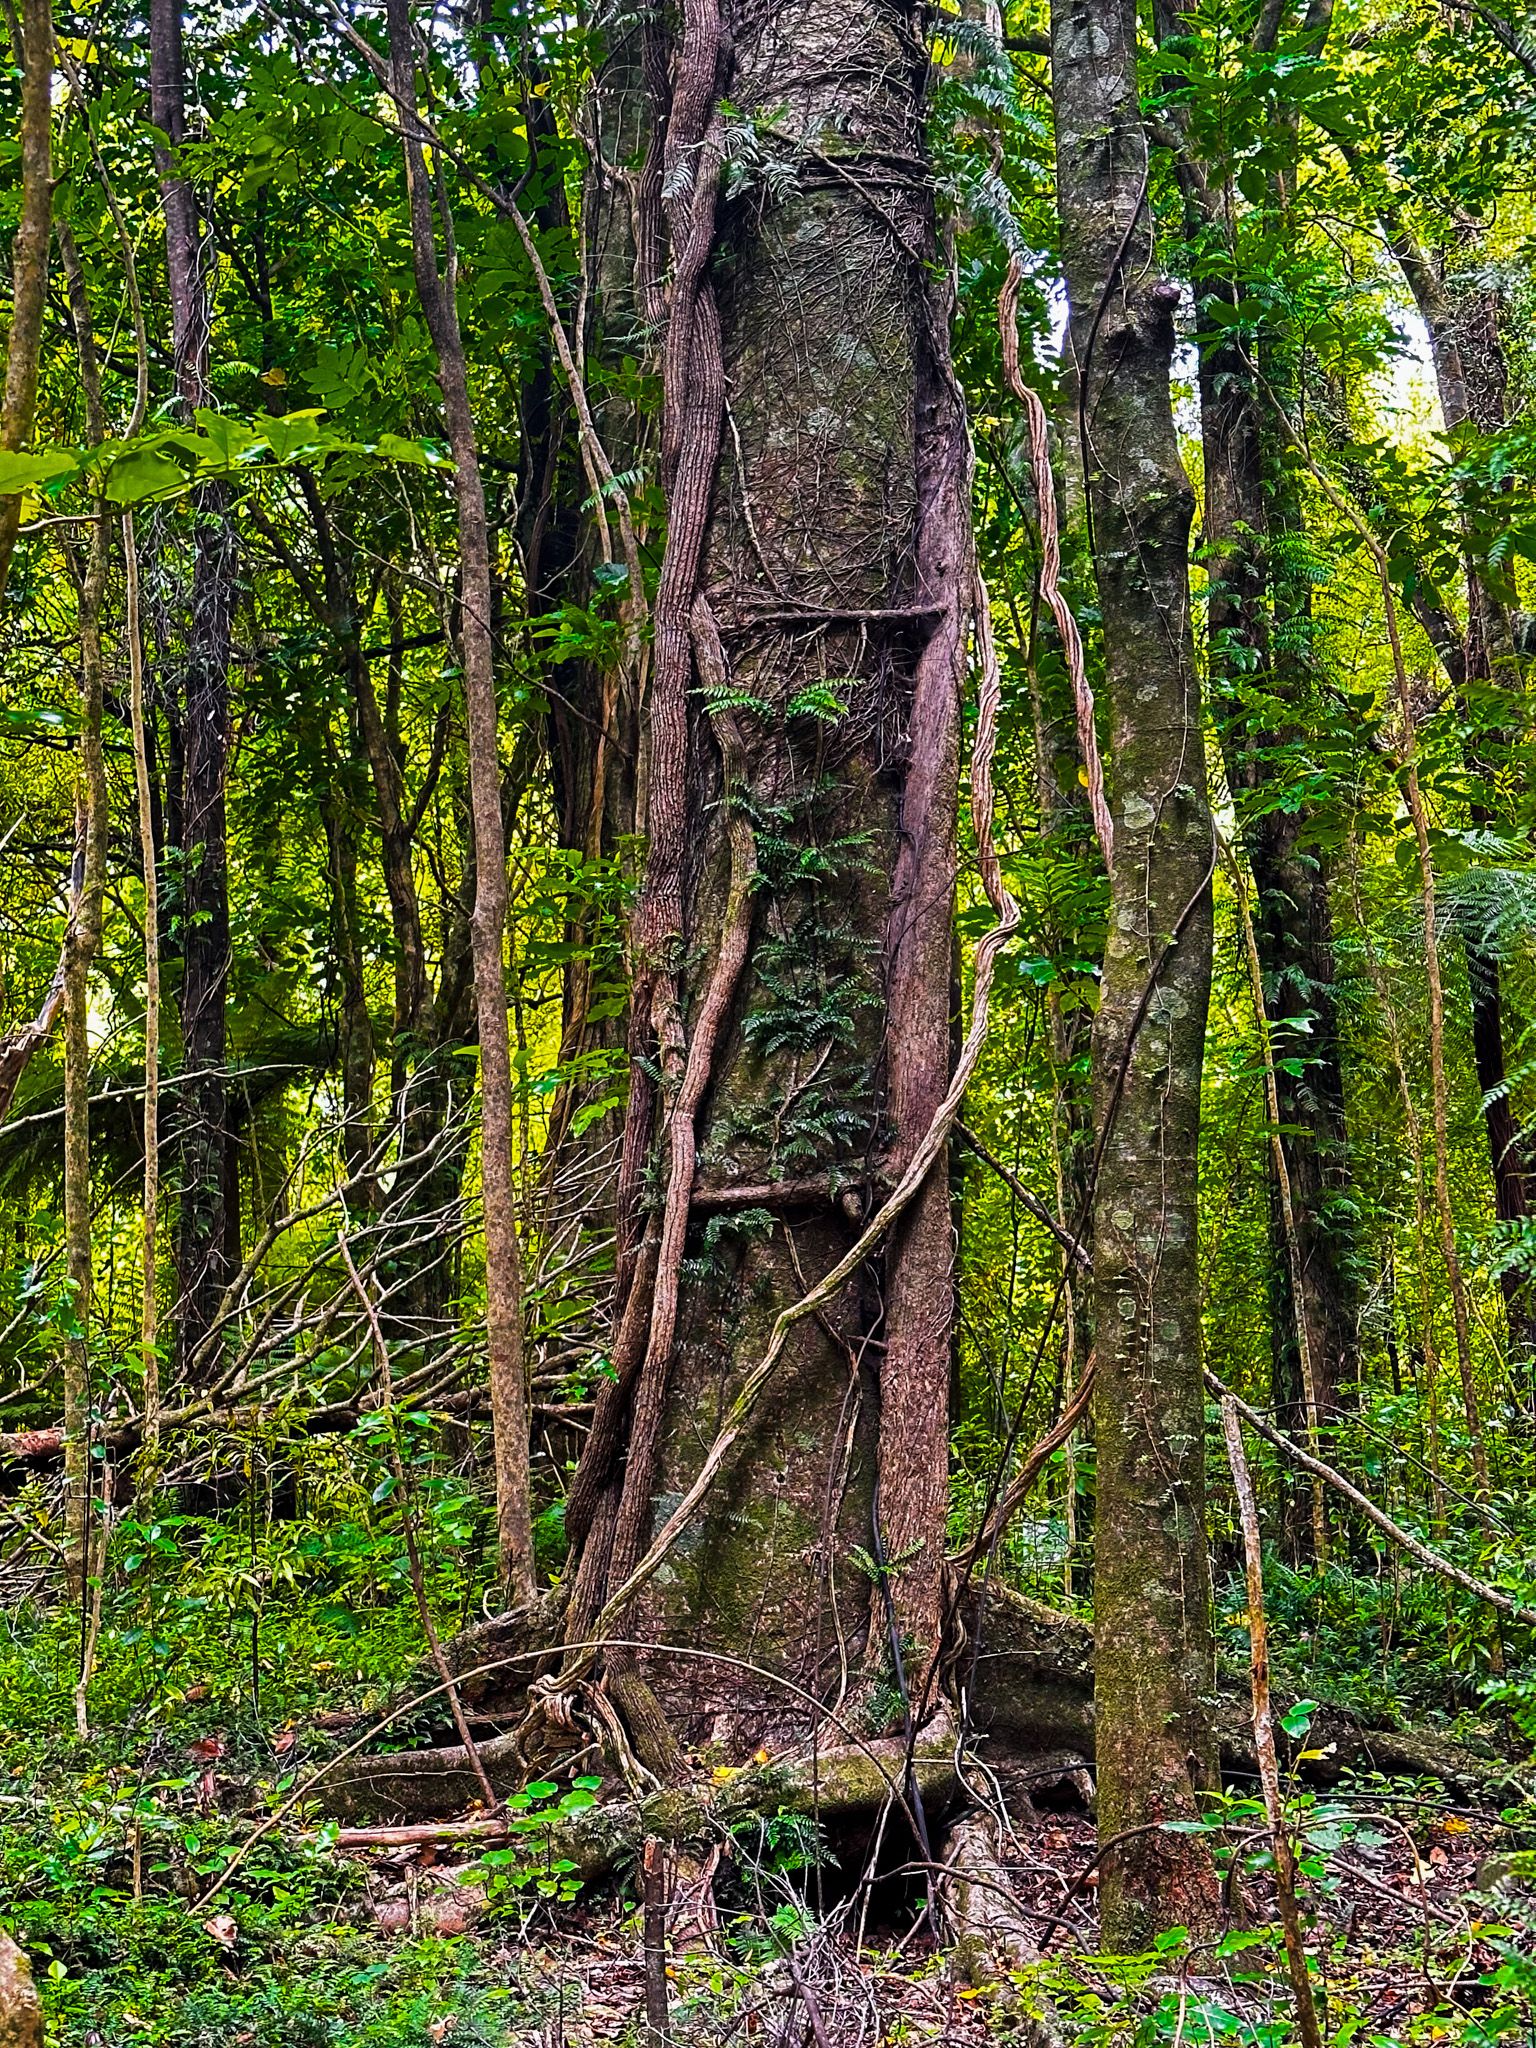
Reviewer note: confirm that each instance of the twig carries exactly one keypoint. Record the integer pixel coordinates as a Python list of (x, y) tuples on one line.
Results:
[(1027, 1200), (1281, 1845), (408, 1526), (1029, 1471), (809, 2000)]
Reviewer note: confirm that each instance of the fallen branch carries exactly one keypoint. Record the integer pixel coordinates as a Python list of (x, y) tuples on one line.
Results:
[(44, 1446), (1393, 1531), (415, 1834)]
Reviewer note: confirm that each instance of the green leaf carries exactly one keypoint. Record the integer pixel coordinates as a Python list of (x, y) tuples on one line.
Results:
[(295, 434), (141, 474), (1298, 1719), (24, 472)]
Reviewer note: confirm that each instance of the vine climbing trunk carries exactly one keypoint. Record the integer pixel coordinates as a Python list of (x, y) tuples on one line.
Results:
[(792, 942), (202, 914), (1154, 1675), (29, 253)]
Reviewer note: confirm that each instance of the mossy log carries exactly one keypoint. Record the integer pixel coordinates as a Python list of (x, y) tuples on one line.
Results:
[(846, 1784), (1032, 1690)]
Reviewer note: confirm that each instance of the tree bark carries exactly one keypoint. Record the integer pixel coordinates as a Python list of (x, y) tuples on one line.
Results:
[(149, 1326), (29, 256), (815, 456), (503, 1256), (81, 947), (1155, 1675), (202, 1248)]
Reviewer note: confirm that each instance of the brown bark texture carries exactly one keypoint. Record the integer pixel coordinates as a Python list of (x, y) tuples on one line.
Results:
[(503, 1255), (792, 941), (29, 254), (1154, 1678), (202, 920)]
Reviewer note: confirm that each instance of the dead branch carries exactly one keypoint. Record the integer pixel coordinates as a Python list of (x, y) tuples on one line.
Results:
[(1393, 1531)]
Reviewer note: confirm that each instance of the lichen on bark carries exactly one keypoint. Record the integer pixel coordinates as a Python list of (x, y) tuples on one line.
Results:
[(1154, 1678)]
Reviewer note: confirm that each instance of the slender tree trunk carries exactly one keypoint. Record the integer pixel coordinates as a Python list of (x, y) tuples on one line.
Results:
[(503, 1257), (1154, 1664), (83, 944), (1472, 381), (149, 1331), (1252, 616), (1258, 641), (203, 921), (29, 255)]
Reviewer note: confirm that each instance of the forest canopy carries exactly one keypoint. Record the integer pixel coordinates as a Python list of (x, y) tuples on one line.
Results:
[(768, 1022)]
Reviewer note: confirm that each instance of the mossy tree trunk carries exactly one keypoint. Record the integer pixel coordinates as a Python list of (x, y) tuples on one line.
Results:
[(1154, 1679), (792, 942)]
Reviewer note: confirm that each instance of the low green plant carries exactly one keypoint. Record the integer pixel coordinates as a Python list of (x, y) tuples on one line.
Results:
[(527, 1871)]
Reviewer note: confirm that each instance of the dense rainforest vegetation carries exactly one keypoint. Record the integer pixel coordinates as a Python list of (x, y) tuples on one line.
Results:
[(768, 1023)]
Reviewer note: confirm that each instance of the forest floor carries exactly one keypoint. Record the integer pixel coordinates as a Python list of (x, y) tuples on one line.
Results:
[(1407, 1946), (1416, 1937), (1404, 1939), (176, 1888)]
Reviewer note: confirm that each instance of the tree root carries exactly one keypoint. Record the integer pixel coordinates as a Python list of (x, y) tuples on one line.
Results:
[(1028, 1691), (990, 1940)]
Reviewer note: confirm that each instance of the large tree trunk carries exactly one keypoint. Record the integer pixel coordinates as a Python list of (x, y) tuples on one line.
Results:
[(1154, 1678), (792, 943), (202, 1122)]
